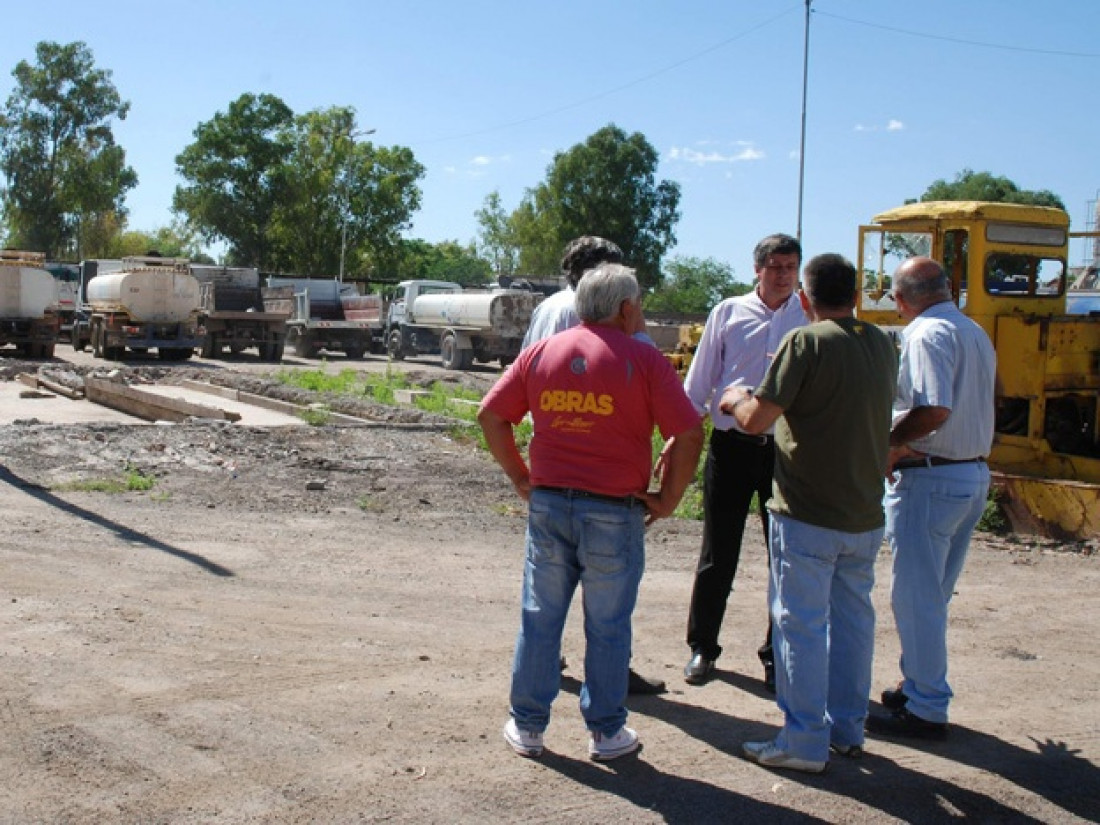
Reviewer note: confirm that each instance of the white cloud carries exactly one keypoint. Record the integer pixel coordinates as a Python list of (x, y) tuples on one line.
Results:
[(892, 125), (745, 152)]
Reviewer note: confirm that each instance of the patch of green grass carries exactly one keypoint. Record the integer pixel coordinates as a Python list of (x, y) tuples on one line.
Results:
[(993, 518), (134, 481), (368, 505), (316, 416)]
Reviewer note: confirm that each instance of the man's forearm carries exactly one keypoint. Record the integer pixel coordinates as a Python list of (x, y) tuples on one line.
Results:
[(917, 423)]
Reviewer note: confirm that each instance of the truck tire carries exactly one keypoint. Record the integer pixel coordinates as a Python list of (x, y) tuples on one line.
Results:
[(210, 345), (303, 348), (272, 351), (451, 355), (354, 353), (393, 346), (97, 339)]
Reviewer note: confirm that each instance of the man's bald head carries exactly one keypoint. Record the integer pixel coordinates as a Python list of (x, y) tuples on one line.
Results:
[(921, 282)]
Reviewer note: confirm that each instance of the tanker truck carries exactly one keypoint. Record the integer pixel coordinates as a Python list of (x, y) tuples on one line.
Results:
[(147, 303), (463, 326), (28, 304)]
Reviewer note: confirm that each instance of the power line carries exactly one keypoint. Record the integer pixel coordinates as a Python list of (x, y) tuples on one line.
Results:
[(616, 89), (959, 40)]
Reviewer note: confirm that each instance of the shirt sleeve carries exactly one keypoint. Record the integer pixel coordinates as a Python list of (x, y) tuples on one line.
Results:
[(931, 361), (673, 411), (706, 364)]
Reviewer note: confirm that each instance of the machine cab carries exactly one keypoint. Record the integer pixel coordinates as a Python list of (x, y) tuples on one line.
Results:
[(1001, 258)]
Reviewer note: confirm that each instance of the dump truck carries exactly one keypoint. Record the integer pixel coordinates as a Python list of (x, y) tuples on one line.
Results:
[(28, 304), (462, 326), (236, 312), (145, 303), (327, 314), (1007, 264)]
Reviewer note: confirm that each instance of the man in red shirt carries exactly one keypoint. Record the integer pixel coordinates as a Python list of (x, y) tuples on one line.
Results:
[(594, 394)]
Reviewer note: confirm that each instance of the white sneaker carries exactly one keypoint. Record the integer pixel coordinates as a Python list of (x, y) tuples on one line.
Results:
[(769, 755), (602, 748), (523, 742)]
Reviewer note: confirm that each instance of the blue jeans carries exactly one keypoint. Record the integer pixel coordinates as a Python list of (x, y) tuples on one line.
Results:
[(601, 546), (823, 627), (930, 514)]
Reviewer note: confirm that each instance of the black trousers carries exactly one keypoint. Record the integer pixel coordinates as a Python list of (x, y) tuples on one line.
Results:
[(736, 467)]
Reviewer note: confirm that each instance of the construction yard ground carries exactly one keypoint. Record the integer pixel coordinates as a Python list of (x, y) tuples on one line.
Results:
[(299, 624)]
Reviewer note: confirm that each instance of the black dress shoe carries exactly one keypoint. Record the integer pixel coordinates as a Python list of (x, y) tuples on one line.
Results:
[(698, 670), (894, 699), (639, 685), (902, 723)]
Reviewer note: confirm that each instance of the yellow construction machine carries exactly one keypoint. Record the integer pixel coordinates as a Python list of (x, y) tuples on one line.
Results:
[(1008, 266)]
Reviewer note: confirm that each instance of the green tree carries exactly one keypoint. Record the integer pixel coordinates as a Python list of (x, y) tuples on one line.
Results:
[(984, 186), (174, 241), (65, 178), (235, 175), (497, 242), (444, 261), (693, 285), (343, 198), (605, 186)]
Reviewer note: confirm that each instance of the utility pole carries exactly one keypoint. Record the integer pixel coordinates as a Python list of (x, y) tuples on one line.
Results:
[(802, 143), (346, 206)]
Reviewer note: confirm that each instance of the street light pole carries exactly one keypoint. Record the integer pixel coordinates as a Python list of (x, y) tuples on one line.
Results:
[(347, 205)]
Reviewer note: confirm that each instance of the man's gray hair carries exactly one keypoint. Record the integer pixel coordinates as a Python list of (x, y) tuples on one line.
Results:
[(602, 291)]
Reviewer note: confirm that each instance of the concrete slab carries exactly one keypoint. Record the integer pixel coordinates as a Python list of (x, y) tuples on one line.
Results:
[(55, 409)]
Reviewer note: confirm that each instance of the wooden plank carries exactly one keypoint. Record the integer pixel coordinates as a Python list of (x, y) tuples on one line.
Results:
[(37, 381), (149, 406)]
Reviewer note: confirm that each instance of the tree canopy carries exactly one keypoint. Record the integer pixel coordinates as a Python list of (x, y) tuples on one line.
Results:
[(984, 186), (65, 178), (297, 193), (605, 186), (693, 285)]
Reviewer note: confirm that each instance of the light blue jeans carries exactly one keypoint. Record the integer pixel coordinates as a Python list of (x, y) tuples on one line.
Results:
[(930, 514), (823, 633), (600, 546)]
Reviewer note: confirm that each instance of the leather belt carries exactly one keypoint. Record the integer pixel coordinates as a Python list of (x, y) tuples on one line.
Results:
[(762, 440), (571, 492), (933, 461)]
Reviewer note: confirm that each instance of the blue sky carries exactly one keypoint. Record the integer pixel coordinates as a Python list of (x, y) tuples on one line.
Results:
[(485, 92)]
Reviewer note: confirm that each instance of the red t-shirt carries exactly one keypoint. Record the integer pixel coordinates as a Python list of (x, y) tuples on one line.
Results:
[(594, 394)]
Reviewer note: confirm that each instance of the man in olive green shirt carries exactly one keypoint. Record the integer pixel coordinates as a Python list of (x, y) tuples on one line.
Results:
[(829, 393)]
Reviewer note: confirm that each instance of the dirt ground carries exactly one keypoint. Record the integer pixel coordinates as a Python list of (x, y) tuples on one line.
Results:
[(233, 646)]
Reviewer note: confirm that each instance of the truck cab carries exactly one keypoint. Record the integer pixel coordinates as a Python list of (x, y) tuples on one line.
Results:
[(1007, 266)]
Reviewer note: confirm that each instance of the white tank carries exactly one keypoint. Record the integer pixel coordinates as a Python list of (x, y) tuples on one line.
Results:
[(504, 312), (26, 292), (154, 295)]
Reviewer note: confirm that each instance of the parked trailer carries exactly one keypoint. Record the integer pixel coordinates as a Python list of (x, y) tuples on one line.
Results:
[(463, 326), (236, 312), (148, 303), (327, 314), (28, 304)]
